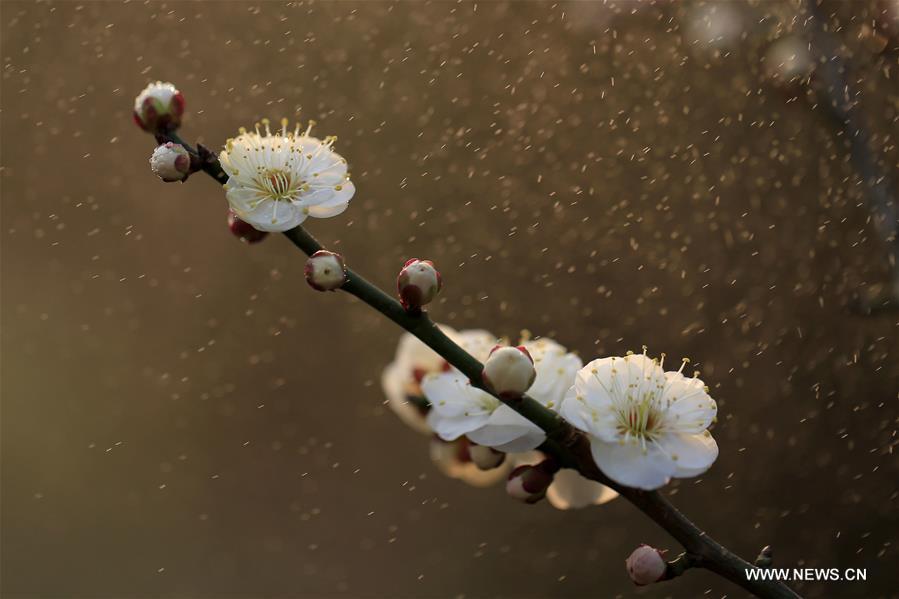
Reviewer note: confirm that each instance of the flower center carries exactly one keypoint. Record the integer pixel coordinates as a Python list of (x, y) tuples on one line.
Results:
[(641, 418), (277, 184)]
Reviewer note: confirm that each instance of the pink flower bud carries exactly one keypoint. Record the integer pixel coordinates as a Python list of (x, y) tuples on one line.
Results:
[(159, 108), (646, 565), (509, 371), (325, 271), (244, 230), (418, 283), (486, 458), (170, 162), (529, 483)]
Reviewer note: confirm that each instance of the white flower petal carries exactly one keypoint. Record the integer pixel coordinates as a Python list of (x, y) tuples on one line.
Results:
[(690, 409), (507, 430), (450, 429), (556, 371), (273, 217), (692, 454), (599, 421), (452, 396), (628, 464), (451, 458), (243, 199), (570, 490), (394, 382), (327, 211)]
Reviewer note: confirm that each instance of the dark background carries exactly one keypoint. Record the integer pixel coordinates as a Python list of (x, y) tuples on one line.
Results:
[(183, 417)]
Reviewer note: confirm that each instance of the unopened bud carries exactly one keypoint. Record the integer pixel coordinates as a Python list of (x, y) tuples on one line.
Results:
[(170, 162), (646, 565), (529, 483), (244, 230), (486, 458), (418, 283), (325, 271), (509, 371), (159, 108)]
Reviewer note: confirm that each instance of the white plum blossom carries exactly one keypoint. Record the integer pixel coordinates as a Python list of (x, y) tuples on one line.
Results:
[(276, 181), (645, 425), (459, 408), (453, 458)]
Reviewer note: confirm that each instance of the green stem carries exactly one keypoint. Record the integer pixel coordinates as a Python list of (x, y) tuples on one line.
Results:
[(568, 446)]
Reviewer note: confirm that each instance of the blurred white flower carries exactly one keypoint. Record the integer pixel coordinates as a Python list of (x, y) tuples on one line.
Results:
[(476, 342), (401, 380), (789, 59), (453, 458), (569, 490), (486, 458), (645, 425), (714, 25), (277, 180)]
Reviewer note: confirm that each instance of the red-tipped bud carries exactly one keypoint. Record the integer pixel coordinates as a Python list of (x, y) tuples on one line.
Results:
[(509, 371), (325, 271), (530, 482), (244, 230), (418, 284), (170, 162), (646, 565), (159, 108), (486, 458)]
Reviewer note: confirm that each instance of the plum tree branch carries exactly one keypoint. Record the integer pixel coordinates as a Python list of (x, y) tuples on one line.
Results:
[(564, 443)]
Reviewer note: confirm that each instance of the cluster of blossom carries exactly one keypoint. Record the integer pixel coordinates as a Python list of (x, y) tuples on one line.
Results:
[(645, 425)]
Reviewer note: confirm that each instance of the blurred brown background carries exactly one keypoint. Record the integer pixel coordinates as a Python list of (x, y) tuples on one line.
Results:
[(183, 417)]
